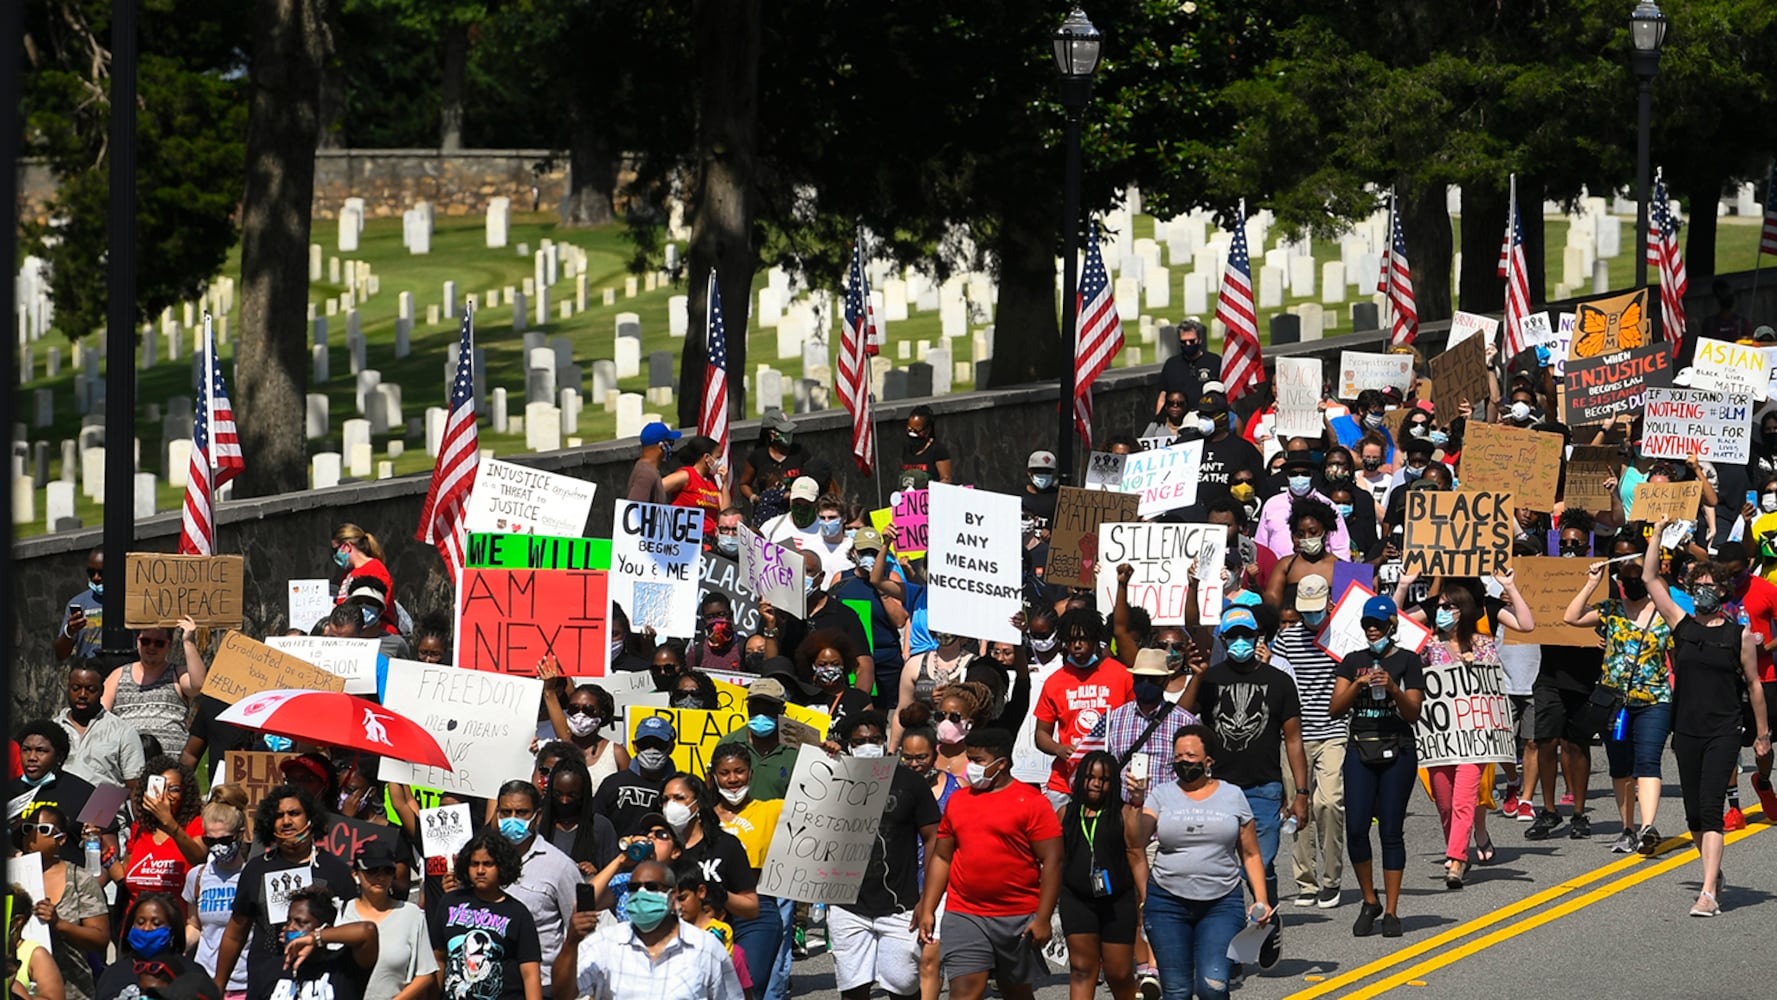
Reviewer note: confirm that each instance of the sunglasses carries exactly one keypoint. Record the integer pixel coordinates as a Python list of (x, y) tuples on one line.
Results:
[(47, 829), (154, 968), (649, 886), (956, 717), (661, 835), (1170, 647), (151, 643), (582, 710), (213, 841)]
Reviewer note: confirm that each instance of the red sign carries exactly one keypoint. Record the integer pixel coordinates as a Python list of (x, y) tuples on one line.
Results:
[(509, 619)]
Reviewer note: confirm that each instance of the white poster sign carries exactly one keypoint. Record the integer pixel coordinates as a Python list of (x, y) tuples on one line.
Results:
[(279, 886), (1104, 471), (1344, 630), (1466, 717), (1029, 763), (654, 555), (1359, 371), (828, 824), (1731, 368), (1298, 398), (483, 721), (1714, 426), (350, 658), (518, 500), (26, 872), (309, 603), (773, 572), (1538, 331), (1160, 554), (445, 829), (1562, 343), (1464, 325), (1165, 479), (974, 565)]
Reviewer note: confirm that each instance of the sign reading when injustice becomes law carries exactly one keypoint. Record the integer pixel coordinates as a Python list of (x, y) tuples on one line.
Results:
[(243, 667), (1604, 385), (508, 619), (160, 589), (1463, 533), (1515, 460), (1073, 535), (1669, 501), (1714, 426)]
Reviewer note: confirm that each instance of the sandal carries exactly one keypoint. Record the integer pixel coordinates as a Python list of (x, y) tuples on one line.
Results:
[(1714, 909), (1453, 872), (1484, 851)]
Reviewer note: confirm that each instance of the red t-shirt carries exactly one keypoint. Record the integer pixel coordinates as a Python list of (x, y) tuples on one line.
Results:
[(155, 867), (1758, 612), (994, 870), (704, 494), (1077, 701), (375, 570)]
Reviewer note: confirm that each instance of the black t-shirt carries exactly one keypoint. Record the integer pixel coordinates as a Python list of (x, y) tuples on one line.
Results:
[(1180, 375), (722, 859), (626, 797), (66, 792), (483, 944), (850, 700), (926, 464), (1575, 668), (1221, 460), (265, 953), (1247, 706), (329, 973), (1370, 717), (891, 879), (1707, 678), (1040, 505), (219, 737), (795, 456), (883, 635), (832, 616)]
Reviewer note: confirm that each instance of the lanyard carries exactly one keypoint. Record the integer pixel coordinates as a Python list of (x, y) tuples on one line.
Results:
[(1091, 833)]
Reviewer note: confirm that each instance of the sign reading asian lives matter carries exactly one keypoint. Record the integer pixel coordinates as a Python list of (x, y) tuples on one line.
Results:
[(977, 574)]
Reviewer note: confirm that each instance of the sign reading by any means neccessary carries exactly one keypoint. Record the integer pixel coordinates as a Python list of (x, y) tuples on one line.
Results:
[(976, 570)]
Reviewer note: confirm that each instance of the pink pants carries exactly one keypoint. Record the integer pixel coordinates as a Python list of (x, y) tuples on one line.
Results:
[(1456, 788)]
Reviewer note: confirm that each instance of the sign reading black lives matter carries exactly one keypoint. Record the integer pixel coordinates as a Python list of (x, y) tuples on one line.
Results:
[(974, 566), (1463, 533), (1466, 717)]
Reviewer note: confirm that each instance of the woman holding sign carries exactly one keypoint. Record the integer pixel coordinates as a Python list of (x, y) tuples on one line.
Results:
[(1456, 788), (1713, 656)]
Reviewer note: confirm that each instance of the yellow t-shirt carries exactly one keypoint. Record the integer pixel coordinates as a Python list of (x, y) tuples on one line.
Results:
[(753, 826)]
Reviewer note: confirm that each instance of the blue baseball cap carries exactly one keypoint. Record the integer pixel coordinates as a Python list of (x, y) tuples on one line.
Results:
[(657, 432), (1237, 617), (655, 727), (1246, 599), (1380, 607)]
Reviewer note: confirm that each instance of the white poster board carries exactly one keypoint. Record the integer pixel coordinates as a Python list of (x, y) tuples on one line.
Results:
[(26, 871), (445, 829), (518, 500), (974, 566), (1028, 763), (1104, 471), (654, 565), (829, 822), (1298, 398), (776, 574), (1359, 371), (483, 721), (1344, 631), (1563, 342), (1466, 717), (350, 658), (1464, 325), (279, 886), (309, 603), (1720, 366), (1160, 554), (1537, 330), (1714, 425), (1165, 478)]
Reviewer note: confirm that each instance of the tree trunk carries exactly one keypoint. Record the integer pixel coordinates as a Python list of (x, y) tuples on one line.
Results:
[(1027, 344), (333, 106), (292, 42), (450, 90), (1699, 231), (1425, 225), (592, 174), (1480, 289), (726, 43)]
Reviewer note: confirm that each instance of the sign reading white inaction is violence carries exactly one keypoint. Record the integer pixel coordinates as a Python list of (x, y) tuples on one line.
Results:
[(1298, 398), (831, 814), (974, 565), (514, 499), (483, 721), (1714, 426), (775, 573), (1359, 371), (1164, 478), (1720, 366), (349, 658), (1160, 554), (1466, 717), (654, 553)]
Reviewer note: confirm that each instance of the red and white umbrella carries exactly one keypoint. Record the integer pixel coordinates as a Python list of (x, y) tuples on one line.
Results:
[(336, 719)]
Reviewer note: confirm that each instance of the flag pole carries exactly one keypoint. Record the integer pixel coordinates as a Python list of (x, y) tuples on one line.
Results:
[(210, 370), (1387, 274), (1758, 253)]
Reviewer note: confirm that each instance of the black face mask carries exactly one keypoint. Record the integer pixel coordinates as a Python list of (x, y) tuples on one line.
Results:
[(1188, 771), (1190, 350), (1372, 464), (1573, 548), (753, 661)]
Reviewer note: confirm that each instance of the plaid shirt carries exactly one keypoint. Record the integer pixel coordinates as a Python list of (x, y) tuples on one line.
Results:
[(614, 965), (1125, 723)]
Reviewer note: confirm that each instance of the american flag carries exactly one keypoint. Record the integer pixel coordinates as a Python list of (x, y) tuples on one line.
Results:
[(1243, 366), (215, 456), (453, 477), (1098, 336), (1767, 241), (712, 417), (1512, 269), (855, 348), (1663, 252), (1396, 281)]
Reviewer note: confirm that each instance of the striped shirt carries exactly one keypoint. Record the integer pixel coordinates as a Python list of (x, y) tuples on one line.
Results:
[(1315, 673), (615, 965), (1125, 724)]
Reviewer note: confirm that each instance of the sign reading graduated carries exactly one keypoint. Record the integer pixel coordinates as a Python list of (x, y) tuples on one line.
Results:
[(1714, 426), (829, 821), (518, 500), (1731, 368), (976, 572), (1165, 478), (1466, 717), (246, 666), (1298, 398), (508, 619), (1463, 533), (160, 589), (1160, 554), (484, 723), (654, 551)]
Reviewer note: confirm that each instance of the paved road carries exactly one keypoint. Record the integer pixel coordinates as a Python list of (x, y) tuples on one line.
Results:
[(1546, 918)]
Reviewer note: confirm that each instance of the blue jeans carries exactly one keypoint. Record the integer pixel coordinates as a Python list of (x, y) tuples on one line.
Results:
[(1379, 792), (761, 938), (780, 969), (1190, 940), (1637, 754), (1266, 801)]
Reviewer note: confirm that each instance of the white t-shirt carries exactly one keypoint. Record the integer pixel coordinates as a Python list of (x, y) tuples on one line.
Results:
[(211, 891), (403, 948)]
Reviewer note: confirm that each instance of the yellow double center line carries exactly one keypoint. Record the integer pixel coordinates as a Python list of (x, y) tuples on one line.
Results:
[(1644, 869)]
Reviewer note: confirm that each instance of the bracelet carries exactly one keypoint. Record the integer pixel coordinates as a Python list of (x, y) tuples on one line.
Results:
[(769, 633)]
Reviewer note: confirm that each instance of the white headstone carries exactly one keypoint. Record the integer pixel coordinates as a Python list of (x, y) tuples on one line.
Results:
[(1301, 275), (434, 429), (360, 459), (771, 307), (499, 220), (569, 405), (678, 320), (542, 427), (604, 377), (769, 393), (383, 408), (1157, 287), (315, 267), (1128, 294), (351, 223), (1332, 282), (179, 462), (790, 330), (24, 500), (58, 502), (629, 415), (324, 470), (629, 358), (1196, 294), (354, 432), (315, 418), (142, 496), (1270, 287), (940, 360)]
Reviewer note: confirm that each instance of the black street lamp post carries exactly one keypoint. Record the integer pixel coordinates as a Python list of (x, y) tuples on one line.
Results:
[(1077, 48), (1647, 32)]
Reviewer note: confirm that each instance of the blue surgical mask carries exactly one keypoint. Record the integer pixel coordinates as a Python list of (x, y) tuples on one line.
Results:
[(1313, 617), (728, 545), (1082, 662), (1299, 484), (832, 529), (867, 561), (97, 587), (278, 744), (290, 936), (851, 533), (514, 829), (646, 909), (1042, 481), (1378, 645), (1439, 438), (1344, 509), (762, 725), (1446, 619), (1409, 473), (148, 943), (1241, 650), (342, 557)]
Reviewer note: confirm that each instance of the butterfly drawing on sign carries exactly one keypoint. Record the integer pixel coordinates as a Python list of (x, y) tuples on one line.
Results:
[(1598, 331)]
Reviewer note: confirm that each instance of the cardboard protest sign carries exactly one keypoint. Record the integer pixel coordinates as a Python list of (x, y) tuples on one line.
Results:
[(1073, 535), (718, 574), (1604, 385), (1714, 426), (1458, 375), (159, 589), (1298, 387), (1164, 478), (1359, 371), (1461, 533), (1344, 631), (519, 500), (1104, 471), (829, 822), (654, 551), (309, 603), (1466, 326), (496, 551), (1515, 460), (1548, 584), (483, 721), (1160, 554), (1736, 369), (508, 619), (1671, 501), (257, 772), (1769, 356), (243, 667), (354, 660), (912, 518), (698, 731), (773, 572), (1466, 717), (1610, 325), (1589, 467), (975, 568)]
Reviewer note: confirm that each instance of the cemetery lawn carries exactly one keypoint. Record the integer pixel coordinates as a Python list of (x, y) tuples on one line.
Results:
[(459, 253)]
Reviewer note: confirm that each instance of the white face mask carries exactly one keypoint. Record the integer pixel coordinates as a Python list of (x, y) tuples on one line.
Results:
[(582, 725), (867, 751), (678, 815), (977, 775), (1043, 644), (732, 796)]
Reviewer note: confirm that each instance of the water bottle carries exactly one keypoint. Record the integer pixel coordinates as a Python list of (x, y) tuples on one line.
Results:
[(90, 846), (1289, 826), (1619, 727)]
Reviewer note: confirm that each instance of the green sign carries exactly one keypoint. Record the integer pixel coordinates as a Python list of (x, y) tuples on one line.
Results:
[(491, 551)]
